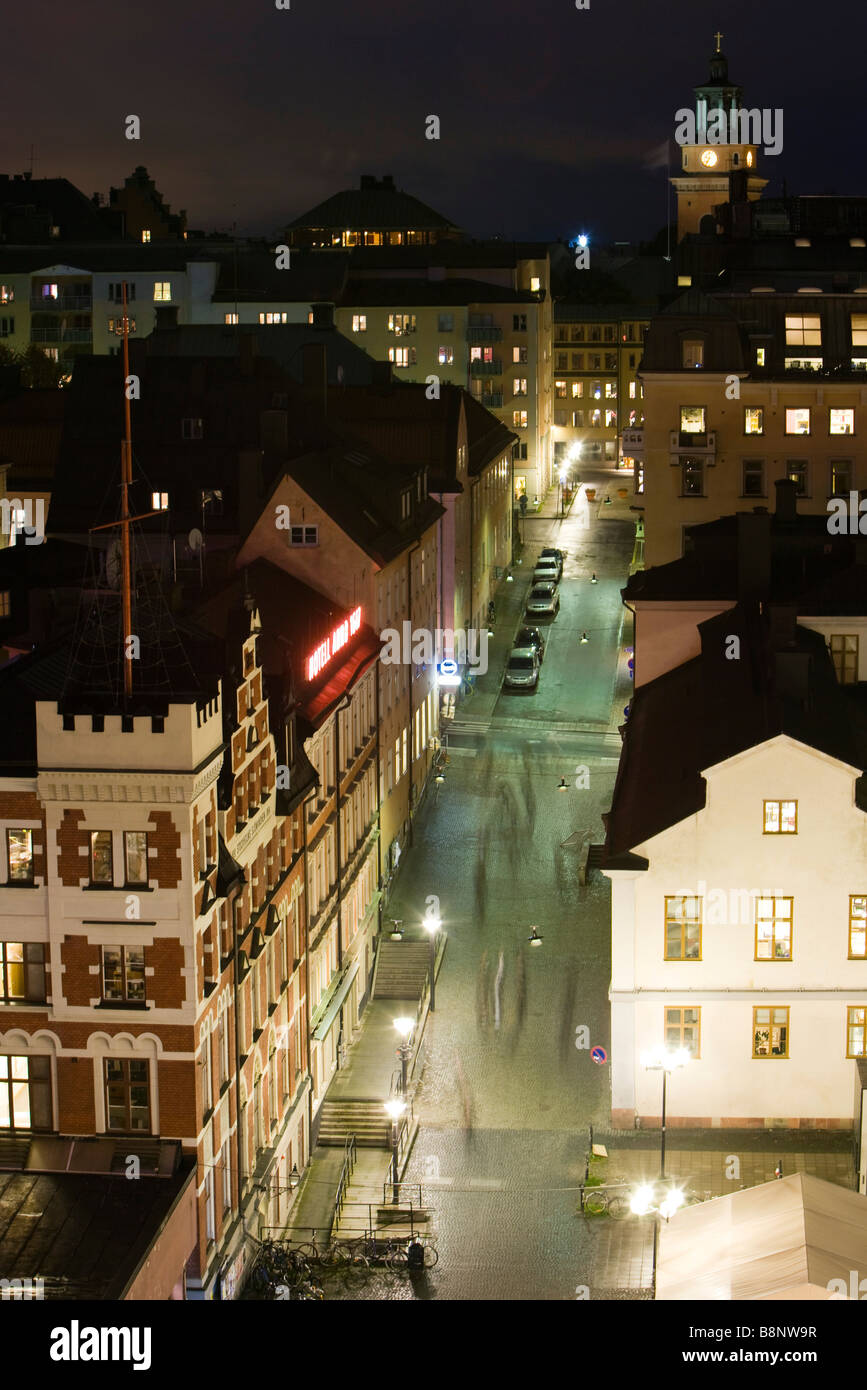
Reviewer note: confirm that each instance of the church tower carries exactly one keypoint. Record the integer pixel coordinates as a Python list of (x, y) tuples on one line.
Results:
[(713, 170)]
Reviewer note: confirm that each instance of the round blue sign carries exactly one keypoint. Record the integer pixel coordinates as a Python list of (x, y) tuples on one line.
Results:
[(599, 1055)]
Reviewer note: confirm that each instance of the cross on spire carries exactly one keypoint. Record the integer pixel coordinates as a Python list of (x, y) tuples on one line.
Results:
[(719, 38)]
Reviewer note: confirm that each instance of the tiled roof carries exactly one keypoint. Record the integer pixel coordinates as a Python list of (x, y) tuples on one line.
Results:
[(710, 709)]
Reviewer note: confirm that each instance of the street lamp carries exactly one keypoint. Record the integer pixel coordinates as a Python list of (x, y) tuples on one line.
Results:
[(405, 1028), (394, 1109), (664, 1059), (432, 926), (644, 1202), (560, 504)]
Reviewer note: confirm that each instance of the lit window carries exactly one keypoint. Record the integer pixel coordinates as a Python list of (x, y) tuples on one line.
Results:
[(683, 1030), (774, 928), (684, 281), (855, 1030), (842, 422), (693, 419), (401, 356), (559, 388), (760, 356), (19, 849), (519, 354), (160, 501), (857, 926), (230, 318), (843, 647), (577, 389), (796, 472), (611, 419), (5, 603), (803, 330), (535, 284), (25, 1093), (610, 390), (754, 420), (798, 420), (693, 352), (7, 294), (274, 316), (445, 356), (359, 323), (145, 236), (401, 324), (781, 817), (770, 1032), (116, 326), (22, 971), (519, 419), (162, 291), (101, 866), (683, 928), (859, 330)]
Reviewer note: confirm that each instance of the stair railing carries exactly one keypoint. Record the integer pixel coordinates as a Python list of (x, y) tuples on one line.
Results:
[(350, 1153)]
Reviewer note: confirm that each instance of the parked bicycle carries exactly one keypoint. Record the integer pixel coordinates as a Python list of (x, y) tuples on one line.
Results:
[(611, 1200)]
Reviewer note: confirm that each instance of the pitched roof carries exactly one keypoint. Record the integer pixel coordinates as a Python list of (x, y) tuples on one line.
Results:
[(373, 207), (709, 709)]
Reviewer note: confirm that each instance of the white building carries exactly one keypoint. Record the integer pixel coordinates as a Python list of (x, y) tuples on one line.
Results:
[(737, 854)]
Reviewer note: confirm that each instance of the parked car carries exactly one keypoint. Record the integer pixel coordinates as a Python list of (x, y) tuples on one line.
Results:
[(531, 637), (543, 600), (546, 572), (551, 550), (522, 668)]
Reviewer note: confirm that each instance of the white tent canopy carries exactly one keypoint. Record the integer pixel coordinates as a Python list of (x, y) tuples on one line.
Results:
[(784, 1239)]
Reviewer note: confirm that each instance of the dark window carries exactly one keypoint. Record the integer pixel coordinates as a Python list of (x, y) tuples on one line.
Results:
[(158, 724), (127, 1095), (135, 849), (123, 974), (192, 428)]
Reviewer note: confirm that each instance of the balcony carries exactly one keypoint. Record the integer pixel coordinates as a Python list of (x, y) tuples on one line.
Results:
[(494, 368), (700, 441), (61, 335), (492, 402), (66, 303), (479, 333)]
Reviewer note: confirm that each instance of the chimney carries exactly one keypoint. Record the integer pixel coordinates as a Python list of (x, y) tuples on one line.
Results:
[(323, 315), (166, 317), (246, 352), (787, 499), (314, 370), (754, 555)]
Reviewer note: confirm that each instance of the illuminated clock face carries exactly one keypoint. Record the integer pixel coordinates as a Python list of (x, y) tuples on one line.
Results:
[(708, 159)]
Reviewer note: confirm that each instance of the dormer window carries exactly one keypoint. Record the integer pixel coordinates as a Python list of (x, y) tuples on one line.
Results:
[(405, 505), (693, 352)]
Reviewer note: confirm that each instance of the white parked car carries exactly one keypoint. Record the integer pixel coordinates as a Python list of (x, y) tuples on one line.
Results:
[(546, 572), (543, 600), (522, 668)]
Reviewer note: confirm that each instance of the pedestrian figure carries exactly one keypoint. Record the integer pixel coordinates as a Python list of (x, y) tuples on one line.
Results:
[(491, 611), (498, 991)]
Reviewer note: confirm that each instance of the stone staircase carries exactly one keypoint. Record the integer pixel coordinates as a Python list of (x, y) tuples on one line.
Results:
[(340, 1119), (401, 971)]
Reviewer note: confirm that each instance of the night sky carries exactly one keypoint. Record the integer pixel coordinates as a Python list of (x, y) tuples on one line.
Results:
[(251, 115)]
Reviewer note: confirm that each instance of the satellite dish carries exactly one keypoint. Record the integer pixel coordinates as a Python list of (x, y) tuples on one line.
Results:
[(194, 540), (114, 565)]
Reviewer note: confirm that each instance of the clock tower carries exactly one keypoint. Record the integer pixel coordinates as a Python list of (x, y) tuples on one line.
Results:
[(708, 164)]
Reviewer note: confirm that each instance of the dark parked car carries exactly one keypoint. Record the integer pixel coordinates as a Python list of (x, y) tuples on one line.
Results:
[(531, 637)]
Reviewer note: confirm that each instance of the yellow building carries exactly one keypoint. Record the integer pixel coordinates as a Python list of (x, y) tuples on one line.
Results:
[(597, 391)]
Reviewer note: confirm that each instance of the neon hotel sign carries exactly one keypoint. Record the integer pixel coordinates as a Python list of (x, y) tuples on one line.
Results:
[(332, 644)]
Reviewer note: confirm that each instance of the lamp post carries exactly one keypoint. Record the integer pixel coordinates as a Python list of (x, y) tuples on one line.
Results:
[(560, 509), (645, 1202), (432, 926), (394, 1109), (405, 1028), (664, 1059)]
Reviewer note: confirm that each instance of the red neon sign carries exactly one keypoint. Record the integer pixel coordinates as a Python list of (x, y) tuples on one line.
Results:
[(332, 644)]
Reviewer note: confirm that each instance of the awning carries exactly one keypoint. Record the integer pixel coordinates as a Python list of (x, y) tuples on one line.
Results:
[(331, 1005)]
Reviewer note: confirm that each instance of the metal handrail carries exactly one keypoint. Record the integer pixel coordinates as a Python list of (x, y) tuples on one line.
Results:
[(350, 1153)]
